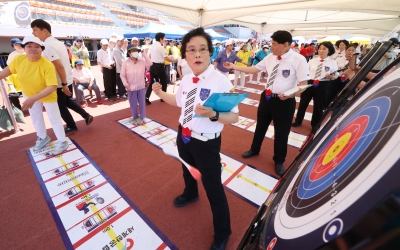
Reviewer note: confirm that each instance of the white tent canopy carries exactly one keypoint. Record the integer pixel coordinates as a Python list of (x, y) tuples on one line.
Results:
[(363, 17)]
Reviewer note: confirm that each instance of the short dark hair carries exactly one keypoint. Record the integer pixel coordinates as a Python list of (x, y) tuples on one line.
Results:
[(351, 45), (337, 43), (330, 47), (356, 44), (345, 42), (193, 33), (282, 36), (41, 24), (159, 36)]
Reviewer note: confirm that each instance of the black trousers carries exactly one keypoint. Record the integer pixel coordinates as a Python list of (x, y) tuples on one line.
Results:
[(110, 85), (65, 102), (334, 89), (15, 100), (157, 72), (205, 157), (316, 93), (120, 85), (281, 113)]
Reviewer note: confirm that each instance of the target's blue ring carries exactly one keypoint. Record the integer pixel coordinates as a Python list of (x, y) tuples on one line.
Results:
[(377, 111)]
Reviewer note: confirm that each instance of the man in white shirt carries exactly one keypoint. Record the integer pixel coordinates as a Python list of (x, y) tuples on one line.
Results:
[(274, 105), (57, 53), (107, 64), (387, 58), (158, 55), (119, 57)]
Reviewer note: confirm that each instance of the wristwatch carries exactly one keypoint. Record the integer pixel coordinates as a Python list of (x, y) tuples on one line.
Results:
[(64, 84), (215, 118)]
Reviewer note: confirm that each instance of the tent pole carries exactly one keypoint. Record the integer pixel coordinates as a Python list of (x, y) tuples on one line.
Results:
[(200, 15)]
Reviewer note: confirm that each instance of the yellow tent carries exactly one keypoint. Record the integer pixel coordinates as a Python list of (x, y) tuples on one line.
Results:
[(360, 40)]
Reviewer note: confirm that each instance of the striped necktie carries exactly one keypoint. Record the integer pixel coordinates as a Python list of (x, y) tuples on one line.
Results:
[(188, 113), (318, 74), (268, 92)]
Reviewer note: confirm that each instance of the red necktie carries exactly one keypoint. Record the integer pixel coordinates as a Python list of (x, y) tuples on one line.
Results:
[(195, 79), (321, 60)]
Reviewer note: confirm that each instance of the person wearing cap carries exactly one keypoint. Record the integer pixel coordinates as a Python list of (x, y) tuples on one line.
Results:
[(119, 57), (125, 45), (199, 139), (225, 56), (216, 51), (147, 45), (243, 54), (112, 43), (387, 58), (14, 86), (114, 35), (107, 64), (38, 84), (132, 73), (80, 52), (68, 47), (84, 79), (55, 51), (135, 41), (259, 56), (158, 55), (290, 69)]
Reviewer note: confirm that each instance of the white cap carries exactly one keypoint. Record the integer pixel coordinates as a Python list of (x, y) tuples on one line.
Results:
[(135, 39), (114, 34), (112, 40), (32, 39), (229, 42), (104, 41), (120, 38)]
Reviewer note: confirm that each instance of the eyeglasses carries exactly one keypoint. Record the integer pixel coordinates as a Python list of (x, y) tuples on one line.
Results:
[(193, 51), (78, 41), (79, 64)]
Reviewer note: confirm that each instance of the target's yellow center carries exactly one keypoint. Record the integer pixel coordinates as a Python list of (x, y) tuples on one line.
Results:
[(336, 148)]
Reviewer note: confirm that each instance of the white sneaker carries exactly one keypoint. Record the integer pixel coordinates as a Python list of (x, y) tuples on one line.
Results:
[(60, 147), (133, 121), (40, 143), (139, 121)]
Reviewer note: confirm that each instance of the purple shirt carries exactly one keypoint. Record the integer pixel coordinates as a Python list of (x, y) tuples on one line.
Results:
[(132, 74), (223, 58)]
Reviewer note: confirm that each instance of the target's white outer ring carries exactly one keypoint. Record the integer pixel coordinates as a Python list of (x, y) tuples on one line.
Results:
[(287, 227)]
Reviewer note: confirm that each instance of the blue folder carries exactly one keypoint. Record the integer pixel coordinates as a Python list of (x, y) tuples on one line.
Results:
[(223, 102)]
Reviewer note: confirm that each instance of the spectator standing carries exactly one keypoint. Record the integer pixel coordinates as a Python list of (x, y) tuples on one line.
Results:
[(14, 86), (107, 64), (80, 52), (132, 72), (119, 58), (183, 68), (243, 54), (224, 56), (215, 52)]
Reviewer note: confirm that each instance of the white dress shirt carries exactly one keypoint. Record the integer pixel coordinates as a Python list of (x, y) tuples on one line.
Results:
[(292, 69), (104, 57), (329, 66), (210, 81), (55, 50), (342, 61), (157, 53), (338, 54)]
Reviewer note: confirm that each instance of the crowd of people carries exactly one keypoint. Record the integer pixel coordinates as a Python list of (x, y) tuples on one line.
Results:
[(46, 72)]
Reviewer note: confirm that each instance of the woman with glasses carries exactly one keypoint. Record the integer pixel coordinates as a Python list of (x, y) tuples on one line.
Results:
[(80, 52), (199, 139)]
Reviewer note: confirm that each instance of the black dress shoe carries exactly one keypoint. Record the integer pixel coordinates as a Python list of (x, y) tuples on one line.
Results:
[(279, 169), (219, 244), (181, 200), (162, 100), (296, 124), (70, 130), (88, 120), (249, 154), (148, 102)]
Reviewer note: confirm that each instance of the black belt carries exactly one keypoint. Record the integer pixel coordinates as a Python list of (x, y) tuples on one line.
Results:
[(158, 63)]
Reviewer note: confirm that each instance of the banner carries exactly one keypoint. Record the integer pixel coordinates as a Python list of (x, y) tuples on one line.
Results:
[(90, 211)]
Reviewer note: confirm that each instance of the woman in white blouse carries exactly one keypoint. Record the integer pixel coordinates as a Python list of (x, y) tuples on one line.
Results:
[(321, 70)]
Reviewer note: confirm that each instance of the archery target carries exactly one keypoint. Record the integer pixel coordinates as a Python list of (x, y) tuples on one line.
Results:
[(353, 156)]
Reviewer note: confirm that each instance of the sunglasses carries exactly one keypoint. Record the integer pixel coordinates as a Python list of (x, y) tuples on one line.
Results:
[(79, 41)]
